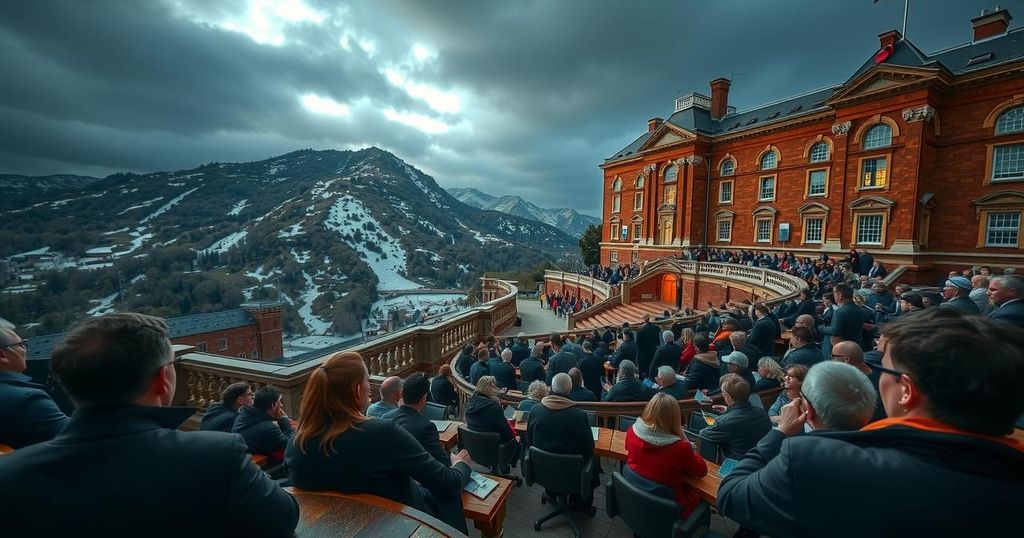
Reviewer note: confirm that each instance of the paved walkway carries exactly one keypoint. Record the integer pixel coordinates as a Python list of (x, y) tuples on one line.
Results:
[(536, 320)]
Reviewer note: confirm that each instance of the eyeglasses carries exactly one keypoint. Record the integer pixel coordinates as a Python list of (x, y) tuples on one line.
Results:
[(889, 371), (22, 343)]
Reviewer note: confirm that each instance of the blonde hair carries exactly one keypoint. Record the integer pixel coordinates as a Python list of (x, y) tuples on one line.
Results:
[(774, 370), (688, 335), (487, 386), (330, 404), (662, 414)]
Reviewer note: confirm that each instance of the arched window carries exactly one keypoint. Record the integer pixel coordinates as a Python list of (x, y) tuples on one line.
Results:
[(819, 152), (728, 167), (769, 160), (639, 182), (1011, 121), (671, 173), (617, 185), (878, 136)]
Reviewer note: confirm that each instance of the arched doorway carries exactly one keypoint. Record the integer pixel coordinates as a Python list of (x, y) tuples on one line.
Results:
[(669, 285)]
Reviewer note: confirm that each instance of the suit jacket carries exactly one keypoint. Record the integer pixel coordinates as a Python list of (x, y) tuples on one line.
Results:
[(647, 340), (667, 355), (676, 390), (463, 364), (423, 430), (560, 363), (738, 429), (478, 370), (628, 351), (504, 373), (763, 335), (531, 370), (260, 432), (562, 429), (807, 355), (629, 390), (582, 394), (120, 470), (519, 352), (804, 307), (1012, 312), (218, 418), (963, 304), (592, 368), (442, 392), (847, 323), (703, 373), (27, 413)]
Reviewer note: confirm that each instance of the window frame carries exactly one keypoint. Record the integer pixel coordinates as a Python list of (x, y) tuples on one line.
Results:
[(222, 344), (616, 203), (760, 188), (718, 230), (624, 232), (804, 239), (638, 201), (732, 170), (664, 174), (201, 347), (988, 222), (857, 223), (867, 134), (887, 157), (732, 191), (807, 185), (990, 174), (616, 185), (828, 152), (773, 153), (770, 228), (1003, 114)]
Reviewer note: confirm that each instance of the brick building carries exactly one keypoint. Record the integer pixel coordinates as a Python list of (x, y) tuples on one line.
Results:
[(917, 158)]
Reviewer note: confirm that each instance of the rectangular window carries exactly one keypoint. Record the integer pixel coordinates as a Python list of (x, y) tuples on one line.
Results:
[(724, 230), (625, 232), (725, 192), (222, 344), (1008, 162), (812, 230), (255, 354), (869, 230), (874, 173), (638, 201), (767, 190), (816, 182), (616, 202), (670, 195), (764, 230), (1002, 229), (637, 230), (201, 347)]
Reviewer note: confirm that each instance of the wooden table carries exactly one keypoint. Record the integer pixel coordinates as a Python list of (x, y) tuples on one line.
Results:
[(261, 460), (328, 513), (450, 436), (520, 428), (488, 514), (707, 485)]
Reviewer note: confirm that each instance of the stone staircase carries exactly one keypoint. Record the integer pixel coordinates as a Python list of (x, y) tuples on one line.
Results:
[(632, 313)]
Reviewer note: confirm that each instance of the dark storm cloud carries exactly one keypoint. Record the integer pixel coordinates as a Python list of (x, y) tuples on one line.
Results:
[(550, 88)]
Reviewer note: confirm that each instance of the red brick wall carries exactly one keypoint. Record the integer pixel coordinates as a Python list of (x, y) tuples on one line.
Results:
[(239, 340)]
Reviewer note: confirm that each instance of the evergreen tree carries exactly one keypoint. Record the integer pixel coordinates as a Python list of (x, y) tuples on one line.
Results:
[(590, 245)]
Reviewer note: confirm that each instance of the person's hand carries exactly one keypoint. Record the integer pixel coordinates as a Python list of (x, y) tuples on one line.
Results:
[(606, 386), (463, 456), (792, 417), (277, 411), (718, 408)]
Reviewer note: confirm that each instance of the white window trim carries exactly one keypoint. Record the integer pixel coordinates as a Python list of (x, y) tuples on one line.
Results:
[(881, 231), (732, 191), (995, 149), (757, 230), (760, 188), (988, 221)]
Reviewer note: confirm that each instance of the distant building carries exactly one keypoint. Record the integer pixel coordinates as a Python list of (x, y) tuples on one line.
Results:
[(917, 158)]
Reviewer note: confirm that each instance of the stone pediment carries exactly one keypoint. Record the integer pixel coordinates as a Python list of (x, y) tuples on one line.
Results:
[(999, 200), (667, 135), (887, 79), (813, 207)]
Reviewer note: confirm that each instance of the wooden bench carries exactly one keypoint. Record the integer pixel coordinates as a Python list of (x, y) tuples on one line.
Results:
[(328, 513)]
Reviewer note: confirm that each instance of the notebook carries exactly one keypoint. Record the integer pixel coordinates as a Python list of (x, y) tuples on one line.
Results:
[(479, 485), (510, 412), (701, 397), (728, 464), (595, 432), (441, 425), (710, 419)]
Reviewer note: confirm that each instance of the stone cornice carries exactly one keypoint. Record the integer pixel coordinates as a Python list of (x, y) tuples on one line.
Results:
[(923, 113)]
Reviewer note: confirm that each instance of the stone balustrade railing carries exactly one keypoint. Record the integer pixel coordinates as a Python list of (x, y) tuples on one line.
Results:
[(602, 290)]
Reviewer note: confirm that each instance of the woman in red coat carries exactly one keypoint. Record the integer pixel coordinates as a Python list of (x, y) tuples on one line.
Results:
[(689, 350), (657, 450)]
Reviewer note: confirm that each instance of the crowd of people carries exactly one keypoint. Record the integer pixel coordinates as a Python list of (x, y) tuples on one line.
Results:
[(563, 305)]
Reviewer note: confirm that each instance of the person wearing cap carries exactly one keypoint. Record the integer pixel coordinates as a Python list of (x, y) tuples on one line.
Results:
[(741, 425), (881, 301), (520, 349), (957, 293), (738, 363), (627, 387)]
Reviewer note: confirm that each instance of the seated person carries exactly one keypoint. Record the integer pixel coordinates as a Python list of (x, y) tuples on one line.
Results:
[(27, 413), (532, 367), (339, 448), (666, 355), (480, 367), (657, 450), (410, 416), (667, 384), (741, 425), (802, 349), (689, 350), (627, 350), (442, 388), (562, 359), (579, 393), (537, 391), (390, 395), (738, 340), (704, 370), (736, 363), (592, 368), (502, 370), (264, 425), (771, 374), (627, 387), (121, 459), (484, 412), (946, 442), (792, 382), (220, 417), (555, 425), (520, 349), (465, 361)]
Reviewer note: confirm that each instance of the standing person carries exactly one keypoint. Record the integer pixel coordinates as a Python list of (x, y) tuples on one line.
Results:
[(647, 340), (667, 355), (765, 331), (979, 294), (27, 413), (339, 448), (957, 295), (561, 361), (592, 368), (220, 417), (116, 466), (1007, 295), (847, 321)]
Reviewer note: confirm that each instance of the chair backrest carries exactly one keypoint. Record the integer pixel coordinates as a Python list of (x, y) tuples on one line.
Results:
[(625, 422), (696, 422), (591, 417), (646, 514), (482, 447), (524, 387), (434, 411), (709, 450), (559, 473)]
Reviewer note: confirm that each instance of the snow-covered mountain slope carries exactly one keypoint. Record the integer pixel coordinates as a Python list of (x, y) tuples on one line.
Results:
[(563, 218)]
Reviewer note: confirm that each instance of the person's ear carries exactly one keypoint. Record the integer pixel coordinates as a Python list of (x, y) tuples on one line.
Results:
[(163, 383), (911, 396)]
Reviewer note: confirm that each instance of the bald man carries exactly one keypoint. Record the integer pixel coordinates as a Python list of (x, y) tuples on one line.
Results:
[(851, 353), (390, 395), (808, 321)]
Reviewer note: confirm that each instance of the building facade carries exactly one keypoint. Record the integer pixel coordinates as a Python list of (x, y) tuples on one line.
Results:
[(917, 158)]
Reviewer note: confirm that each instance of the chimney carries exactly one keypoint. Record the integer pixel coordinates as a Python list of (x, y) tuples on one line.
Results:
[(654, 123), (719, 97), (889, 39), (991, 24)]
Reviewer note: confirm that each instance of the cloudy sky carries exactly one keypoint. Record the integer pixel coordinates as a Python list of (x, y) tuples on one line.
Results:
[(521, 97)]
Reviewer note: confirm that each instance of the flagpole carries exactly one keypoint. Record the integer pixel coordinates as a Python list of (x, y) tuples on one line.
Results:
[(906, 8)]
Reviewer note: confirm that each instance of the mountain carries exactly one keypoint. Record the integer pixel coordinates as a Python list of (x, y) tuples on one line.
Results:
[(28, 187), (326, 229), (563, 218)]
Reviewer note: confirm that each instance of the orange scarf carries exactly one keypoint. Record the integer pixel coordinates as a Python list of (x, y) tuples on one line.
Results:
[(932, 425)]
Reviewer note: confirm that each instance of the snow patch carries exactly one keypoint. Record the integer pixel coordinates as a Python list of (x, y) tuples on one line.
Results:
[(238, 207), (310, 294), (260, 276), (163, 209), (141, 205), (348, 216), (103, 306), (226, 244), (291, 231), (302, 257)]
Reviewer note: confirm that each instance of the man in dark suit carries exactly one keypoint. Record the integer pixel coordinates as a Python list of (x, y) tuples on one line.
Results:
[(667, 355), (264, 425), (627, 350), (532, 369), (479, 368), (121, 459), (805, 306), (765, 331), (27, 413), (667, 383), (579, 393), (561, 362), (410, 416), (847, 320), (555, 425), (957, 295), (592, 368), (741, 425), (1006, 293), (520, 349), (802, 349), (220, 417), (465, 361), (627, 387), (864, 263), (647, 340), (502, 370)]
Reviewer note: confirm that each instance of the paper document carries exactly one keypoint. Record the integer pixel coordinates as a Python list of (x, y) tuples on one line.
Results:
[(595, 432), (728, 465), (479, 485), (441, 425), (701, 397)]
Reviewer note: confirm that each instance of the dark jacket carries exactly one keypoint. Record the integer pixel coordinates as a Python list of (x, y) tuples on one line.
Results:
[(1011, 312), (766, 383), (763, 335), (807, 355), (485, 415), (627, 351), (519, 353), (504, 373), (582, 394), (738, 429), (963, 304), (647, 340), (381, 458), (864, 264), (703, 372), (463, 364), (793, 487), (592, 368), (531, 370), (218, 418), (847, 323), (667, 355), (804, 307), (556, 426), (27, 413), (629, 390), (560, 363), (676, 390), (478, 370), (260, 432), (423, 430), (117, 472), (443, 392)]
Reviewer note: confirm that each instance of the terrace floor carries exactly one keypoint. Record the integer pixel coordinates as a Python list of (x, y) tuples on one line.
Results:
[(536, 320)]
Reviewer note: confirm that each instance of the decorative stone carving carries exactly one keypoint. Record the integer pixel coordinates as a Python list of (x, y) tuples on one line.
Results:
[(841, 129), (649, 169), (924, 113), (693, 159)]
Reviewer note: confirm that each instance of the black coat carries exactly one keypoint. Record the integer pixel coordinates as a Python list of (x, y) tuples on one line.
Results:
[(118, 472), (485, 415), (519, 352), (423, 430), (702, 375), (647, 340), (667, 355), (504, 373), (963, 304), (531, 370), (478, 370), (443, 392), (627, 351), (562, 431), (864, 264), (381, 458), (27, 413), (1010, 312), (463, 364), (847, 323), (804, 307), (763, 335), (676, 390), (629, 390), (560, 363), (582, 394), (592, 368), (807, 355), (218, 418), (260, 432), (766, 383), (738, 429)]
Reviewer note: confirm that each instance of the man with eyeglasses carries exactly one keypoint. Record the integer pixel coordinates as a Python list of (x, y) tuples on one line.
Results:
[(942, 464), (120, 466), (27, 413), (220, 417)]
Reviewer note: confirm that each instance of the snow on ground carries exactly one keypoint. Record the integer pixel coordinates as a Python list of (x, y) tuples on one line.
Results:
[(433, 256), (260, 276), (36, 252), (322, 188), (433, 301), (139, 239), (291, 231), (225, 244), (114, 232), (347, 216), (143, 204), (482, 238), (302, 257), (173, 202), (431, 193), (104, 305), (312, 322), (238, 207), (271, 212), (138, 279)]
